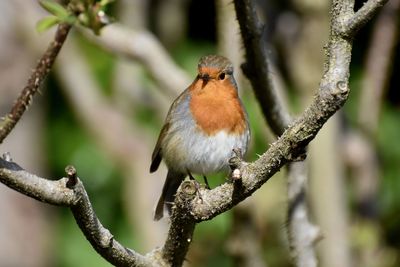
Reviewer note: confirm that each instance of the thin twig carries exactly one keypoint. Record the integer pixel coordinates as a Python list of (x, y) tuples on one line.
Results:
[(35, 81)]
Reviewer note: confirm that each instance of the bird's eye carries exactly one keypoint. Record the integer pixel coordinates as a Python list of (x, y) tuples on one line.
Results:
[(221, 76)]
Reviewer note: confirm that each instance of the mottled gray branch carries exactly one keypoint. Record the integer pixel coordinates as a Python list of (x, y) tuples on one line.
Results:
[(99, 237), (302, 234), (47, 191), (350, 24), (75, 197), (36, 79), (182, 226)]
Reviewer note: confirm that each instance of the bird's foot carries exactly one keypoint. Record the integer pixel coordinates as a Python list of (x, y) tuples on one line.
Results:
[(197, 186), (206, 183)]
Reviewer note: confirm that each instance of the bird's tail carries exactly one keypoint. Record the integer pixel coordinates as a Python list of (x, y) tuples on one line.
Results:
[(172, 182)]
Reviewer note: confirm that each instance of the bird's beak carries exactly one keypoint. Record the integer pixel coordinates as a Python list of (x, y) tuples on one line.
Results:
[(205, 77)]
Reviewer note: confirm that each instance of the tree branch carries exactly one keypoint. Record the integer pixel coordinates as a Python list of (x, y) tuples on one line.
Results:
[(71, 193), (302, 234), (182, 226), (351, 24), (51, 192), (99, 237), (256, 67), (35, 81), (289, 147)]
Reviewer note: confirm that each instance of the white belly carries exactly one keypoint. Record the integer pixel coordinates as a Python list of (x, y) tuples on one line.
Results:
[(201, 154)]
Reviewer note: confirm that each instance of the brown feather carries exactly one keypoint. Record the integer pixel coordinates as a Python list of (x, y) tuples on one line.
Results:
[(157, 155)]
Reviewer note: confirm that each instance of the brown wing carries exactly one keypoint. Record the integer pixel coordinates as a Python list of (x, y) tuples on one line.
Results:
[(157, 155)]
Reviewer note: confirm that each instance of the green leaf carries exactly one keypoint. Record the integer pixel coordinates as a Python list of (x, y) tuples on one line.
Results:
[(46, 23), (71, 19), (55, 8)]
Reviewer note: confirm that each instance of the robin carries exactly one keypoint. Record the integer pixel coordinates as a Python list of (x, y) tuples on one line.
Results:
[(203, 125)]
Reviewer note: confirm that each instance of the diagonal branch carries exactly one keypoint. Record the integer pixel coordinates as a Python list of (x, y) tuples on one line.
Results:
[(35, 81), (289, 147)]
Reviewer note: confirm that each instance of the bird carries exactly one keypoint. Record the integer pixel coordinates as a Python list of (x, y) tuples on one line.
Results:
[(202, 127)]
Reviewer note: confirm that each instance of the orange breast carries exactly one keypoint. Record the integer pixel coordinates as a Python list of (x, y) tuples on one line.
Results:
[(215, 106)]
